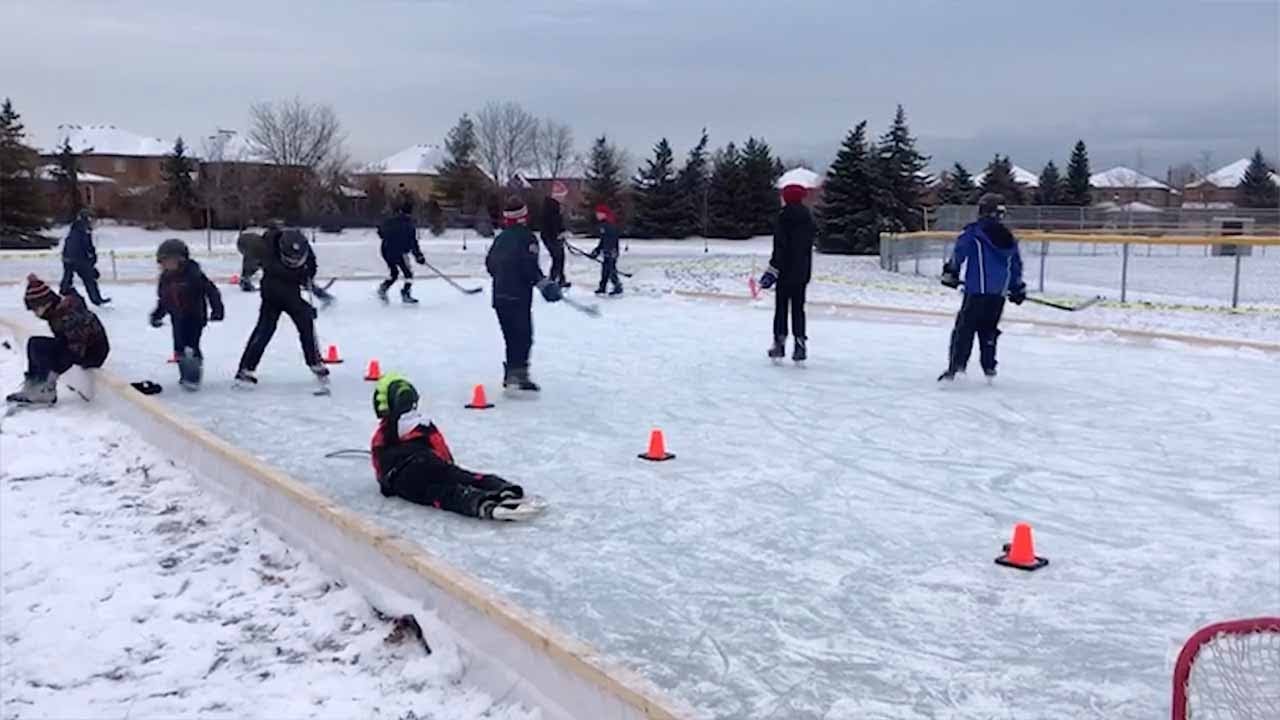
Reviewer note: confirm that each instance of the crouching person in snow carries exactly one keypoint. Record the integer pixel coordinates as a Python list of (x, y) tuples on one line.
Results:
[(412, 461), (190, 300), (988, 255), (78, 339), (790, 268)]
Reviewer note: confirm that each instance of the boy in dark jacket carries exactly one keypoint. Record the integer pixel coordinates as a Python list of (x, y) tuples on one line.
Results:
[(79, 257), (400, 239), (553, 237), (288, 267), (513, 263), (78, 339), (411, 460), (791, 268), (607, 250), (187, 296), (988, 255)]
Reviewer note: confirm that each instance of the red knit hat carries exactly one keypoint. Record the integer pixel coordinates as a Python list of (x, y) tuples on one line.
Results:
[(38, 293), (604, 210), (794, 194)]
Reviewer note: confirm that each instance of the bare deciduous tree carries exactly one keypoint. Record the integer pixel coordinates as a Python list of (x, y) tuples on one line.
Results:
[(553, 152), (296, 133), (506, 134)]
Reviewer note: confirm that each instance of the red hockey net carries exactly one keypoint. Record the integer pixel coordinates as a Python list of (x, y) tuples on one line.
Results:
[(1230, 670)]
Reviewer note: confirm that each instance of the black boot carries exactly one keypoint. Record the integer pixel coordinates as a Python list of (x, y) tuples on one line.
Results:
[(521, 376), (383, 287), (801, 352), (406, 295), (779, 348)]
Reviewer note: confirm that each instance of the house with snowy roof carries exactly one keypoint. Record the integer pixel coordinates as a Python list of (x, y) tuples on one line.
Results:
[(1219, 189), (1122, 186), (130, 159), (416, 168)]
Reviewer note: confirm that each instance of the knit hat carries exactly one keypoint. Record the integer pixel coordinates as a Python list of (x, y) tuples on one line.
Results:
[(604, 210), (514, 211), (38, 293), (794, 194)]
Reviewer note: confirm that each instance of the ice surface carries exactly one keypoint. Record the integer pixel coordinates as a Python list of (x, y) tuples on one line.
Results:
[(822, 547), (131, 592)]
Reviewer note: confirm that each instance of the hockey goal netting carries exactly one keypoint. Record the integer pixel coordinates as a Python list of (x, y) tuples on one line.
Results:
[(1230, 670)]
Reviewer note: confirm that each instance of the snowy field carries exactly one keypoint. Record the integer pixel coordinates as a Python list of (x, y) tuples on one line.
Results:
[(128, 591), (822, 547)]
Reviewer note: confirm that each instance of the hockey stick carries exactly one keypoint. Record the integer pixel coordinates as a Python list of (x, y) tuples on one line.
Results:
[(446, 278), (591, 310), (347, 453), (576, 251), (1069, 308)]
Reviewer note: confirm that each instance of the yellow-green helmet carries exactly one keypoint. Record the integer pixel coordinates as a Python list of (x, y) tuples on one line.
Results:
[(394, 396)]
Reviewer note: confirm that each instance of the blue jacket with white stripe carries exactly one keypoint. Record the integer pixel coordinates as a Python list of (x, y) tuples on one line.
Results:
[(989, 254)]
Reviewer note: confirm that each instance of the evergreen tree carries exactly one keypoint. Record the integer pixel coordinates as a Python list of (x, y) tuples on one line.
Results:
[(1050, 190), (603, 177), (462, 184), (958, 187), (759, 204), (848, 219), (659, 208), (692, 182), (180, 193), (901, 170), (1076, 190), (1257, 188), (999, 178), (726, 196), (20, 205), (66, 174)]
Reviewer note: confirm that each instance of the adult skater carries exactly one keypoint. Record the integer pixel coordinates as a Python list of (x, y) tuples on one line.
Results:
[(79, 257), (790, 268), (78, 339), (988, 254), (553, 236), (607, 250), (411, 460), (191, 301), (513, 263), (288, 267), (400, 239)]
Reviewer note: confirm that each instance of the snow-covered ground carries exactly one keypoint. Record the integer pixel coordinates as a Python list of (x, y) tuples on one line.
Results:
[(822, 546), (128, 591)]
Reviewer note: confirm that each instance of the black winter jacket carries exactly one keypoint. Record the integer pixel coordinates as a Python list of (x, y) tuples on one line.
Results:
[(399, 236), (793, 246), (513, 263), (187, 294), (552, 223), (78, 247)]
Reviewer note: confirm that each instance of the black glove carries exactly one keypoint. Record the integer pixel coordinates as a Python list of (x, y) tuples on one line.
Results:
[(1018, 294), (769, 278), (419, 258), (157, 319), (550, 291), (217, 315), (950, 275)]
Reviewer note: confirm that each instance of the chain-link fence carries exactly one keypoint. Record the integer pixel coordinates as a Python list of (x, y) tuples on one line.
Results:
[(1196, 271), (1119, 219)]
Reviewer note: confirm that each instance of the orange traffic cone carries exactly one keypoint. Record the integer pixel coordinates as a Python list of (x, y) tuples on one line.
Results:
[(235, 280), (478, 400), (331, 358), (657, 448), (374, 373), (1021, 553)]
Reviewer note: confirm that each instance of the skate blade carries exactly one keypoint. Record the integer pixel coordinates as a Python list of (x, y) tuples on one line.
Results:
[(189, 386), (528, 507)]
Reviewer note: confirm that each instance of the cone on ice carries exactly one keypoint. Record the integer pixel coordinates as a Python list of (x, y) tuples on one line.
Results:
[(235, 280), (374, 373), (657, 448), (479, 401), (1021, 553), (173, 358), (332, 357)]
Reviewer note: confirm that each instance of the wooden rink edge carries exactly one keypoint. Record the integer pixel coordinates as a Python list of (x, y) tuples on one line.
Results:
[(637, 694)]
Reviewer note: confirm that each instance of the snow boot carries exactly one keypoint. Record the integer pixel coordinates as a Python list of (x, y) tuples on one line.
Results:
[(190, 370), (779, 348), (383, 287), (36, 391), (801, 351), (406, 295)]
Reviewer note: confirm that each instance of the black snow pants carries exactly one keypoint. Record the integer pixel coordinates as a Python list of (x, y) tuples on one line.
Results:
[(454, 489), (979, 315), (516, 321), (186, 334), (789, 299), (397, 265), (609, 272), (279, 298), (48, 354), (555, 248), (88, 274)]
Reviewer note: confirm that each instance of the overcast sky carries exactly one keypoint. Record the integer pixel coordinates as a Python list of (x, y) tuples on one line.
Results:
[(1160, 80)]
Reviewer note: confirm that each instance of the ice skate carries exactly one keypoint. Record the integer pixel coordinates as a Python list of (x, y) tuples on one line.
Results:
[(801, 351), (406, 295), (990, 375), (513, 509), (615, 291), (190, 370), (517, 381), (321, 372), (949, 375), (778, 350), (600, 291), (245, 379), (382, 291), (36, 391)]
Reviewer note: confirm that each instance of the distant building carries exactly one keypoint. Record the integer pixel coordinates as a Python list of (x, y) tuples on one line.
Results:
[(96, 191), (416, 168), (1219, 189), (1122, 186), (135, 163)]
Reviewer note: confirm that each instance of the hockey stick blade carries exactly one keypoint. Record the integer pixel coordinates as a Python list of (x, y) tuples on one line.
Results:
[(597, 261), (446, 278), (1068, 308), (590, 310)]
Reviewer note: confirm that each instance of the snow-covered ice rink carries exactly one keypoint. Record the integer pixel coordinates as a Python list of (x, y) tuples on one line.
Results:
[(822, 546)]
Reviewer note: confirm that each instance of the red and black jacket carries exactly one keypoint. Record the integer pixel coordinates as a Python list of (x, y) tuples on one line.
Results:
[(422, 448)]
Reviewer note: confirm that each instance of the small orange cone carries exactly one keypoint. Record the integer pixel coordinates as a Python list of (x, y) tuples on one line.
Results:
[(331, 358), (478, 400), (657, 448), (235, 280), (1021, 553), (374, 373)]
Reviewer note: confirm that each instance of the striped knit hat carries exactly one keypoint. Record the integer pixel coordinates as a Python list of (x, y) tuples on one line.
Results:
[(38, 293), (515, 210)]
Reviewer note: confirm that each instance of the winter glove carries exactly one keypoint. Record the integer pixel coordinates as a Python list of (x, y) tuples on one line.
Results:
[(157, 319), (769, 278), (217, 315), (950, 275), (419, 258), (1018, 294), (550, 291)]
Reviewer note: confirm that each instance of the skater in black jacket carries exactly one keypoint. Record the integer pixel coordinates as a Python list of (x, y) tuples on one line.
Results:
[(607, 250), (553, 237), (288, 267), (791, 267), (513, 263), (191, 301), (79, 257), (399, 236), (78, 339)]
